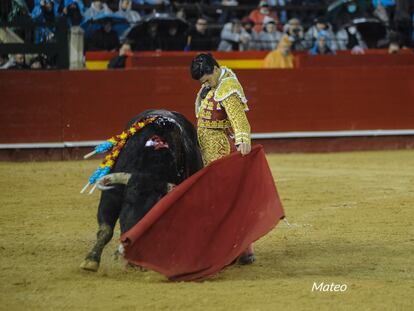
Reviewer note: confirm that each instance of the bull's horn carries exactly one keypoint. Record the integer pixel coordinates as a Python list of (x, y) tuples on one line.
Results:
[(104, 188), (114, 178), (118, 178)]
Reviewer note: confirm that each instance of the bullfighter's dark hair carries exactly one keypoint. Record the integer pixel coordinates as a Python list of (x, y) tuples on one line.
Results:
[(203, 64)]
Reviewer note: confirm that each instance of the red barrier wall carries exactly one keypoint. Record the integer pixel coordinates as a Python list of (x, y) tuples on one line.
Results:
[(373, 57), (100, 55), (55, 106)]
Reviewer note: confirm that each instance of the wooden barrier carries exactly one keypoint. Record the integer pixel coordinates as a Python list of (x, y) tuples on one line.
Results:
[(57, 106)]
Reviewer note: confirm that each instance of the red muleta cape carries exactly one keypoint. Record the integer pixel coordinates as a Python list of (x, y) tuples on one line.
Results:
[(208, 220)]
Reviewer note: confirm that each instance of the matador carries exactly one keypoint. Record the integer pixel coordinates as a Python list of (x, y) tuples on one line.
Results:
[(221, 106), (222, 124)]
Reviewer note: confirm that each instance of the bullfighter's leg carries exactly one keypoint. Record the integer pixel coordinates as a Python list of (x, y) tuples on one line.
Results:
[(247, 257), (108, 214), (214, 145)]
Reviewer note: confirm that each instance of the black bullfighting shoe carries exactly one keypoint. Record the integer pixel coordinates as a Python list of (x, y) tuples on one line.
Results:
[(247, 259), (131, 266)]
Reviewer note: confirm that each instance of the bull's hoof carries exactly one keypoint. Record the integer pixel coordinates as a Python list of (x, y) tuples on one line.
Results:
[(90, 265)]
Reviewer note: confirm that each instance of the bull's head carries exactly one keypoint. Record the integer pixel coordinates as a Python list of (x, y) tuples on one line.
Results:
[(157, 160)]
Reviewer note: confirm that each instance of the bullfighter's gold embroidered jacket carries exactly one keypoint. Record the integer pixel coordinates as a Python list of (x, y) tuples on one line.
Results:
[(221, 117)]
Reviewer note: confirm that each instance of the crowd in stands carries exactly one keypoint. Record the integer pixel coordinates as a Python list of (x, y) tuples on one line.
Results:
[(281, 26)]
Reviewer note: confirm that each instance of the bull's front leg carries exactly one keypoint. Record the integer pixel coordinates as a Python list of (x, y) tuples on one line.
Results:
[(108, 213), (93, 259)]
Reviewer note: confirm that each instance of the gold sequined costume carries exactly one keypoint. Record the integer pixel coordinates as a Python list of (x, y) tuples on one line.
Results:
[(221, 118)]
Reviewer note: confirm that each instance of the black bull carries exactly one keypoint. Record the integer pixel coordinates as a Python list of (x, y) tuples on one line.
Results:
[(151, 172)]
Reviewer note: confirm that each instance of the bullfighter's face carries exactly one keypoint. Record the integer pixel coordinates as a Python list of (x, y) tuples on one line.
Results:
[(211, 80)]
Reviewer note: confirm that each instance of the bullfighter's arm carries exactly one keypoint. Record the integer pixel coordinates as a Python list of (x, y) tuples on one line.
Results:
[(238, 119), (198, 102)]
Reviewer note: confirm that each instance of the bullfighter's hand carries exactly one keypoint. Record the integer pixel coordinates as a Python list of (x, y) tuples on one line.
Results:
[(244, 148)]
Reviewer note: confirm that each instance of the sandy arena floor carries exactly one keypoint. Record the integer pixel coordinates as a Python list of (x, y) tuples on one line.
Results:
[(352, 223)]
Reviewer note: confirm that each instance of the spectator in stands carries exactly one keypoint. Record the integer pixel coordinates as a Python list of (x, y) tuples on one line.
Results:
[(19, 62), (104, 39), (73, 10), (44, 11), (393, 48), (5, 61), (404, 21), (229, 2), (313, 32), (248, 25), (38, 62), (234, 37), (283, 13), (181, 14), (394, 42), (353, 9), (198, 38), (173, 40), (412, 30), (4, 58), (151, 39), (97, 7), (259, 14), (384, 10), (321, 45), (152, 2), (227, 12), (120, 60), (296, 35), (14, 11), (124, 9), (349, 38), (282, 57), (270, 36)]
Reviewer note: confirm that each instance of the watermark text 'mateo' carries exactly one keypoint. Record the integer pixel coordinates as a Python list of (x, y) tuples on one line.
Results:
[(322, 287)]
